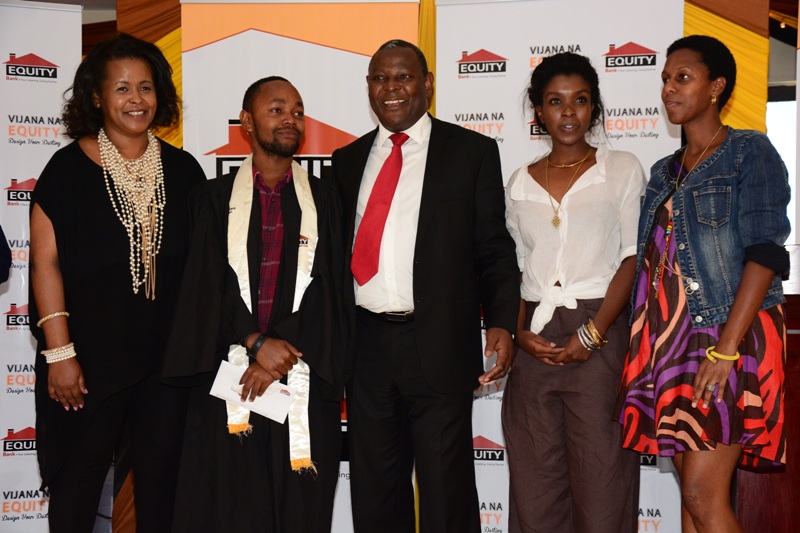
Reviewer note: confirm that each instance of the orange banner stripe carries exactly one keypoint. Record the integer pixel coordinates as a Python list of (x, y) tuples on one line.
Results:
[(355, 28)]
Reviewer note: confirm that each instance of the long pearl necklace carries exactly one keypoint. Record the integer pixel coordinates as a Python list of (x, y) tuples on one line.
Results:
[(136, 189)]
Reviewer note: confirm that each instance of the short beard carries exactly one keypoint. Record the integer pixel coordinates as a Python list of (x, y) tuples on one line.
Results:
[(279, 149)]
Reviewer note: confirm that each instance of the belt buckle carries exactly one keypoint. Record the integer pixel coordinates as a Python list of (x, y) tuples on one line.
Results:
[(398, 316)]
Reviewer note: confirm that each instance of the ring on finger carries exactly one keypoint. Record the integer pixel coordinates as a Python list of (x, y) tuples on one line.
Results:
[(710, 387)]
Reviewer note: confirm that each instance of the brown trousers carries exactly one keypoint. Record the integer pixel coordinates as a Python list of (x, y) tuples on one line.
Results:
[(569, 472)]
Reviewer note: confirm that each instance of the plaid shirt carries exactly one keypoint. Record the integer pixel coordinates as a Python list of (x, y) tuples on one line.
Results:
[(271, 244)]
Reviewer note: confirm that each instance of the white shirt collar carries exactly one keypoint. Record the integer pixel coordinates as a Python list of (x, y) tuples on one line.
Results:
[(420, 132)]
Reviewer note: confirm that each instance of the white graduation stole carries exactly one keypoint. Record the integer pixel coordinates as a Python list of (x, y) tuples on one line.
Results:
[(239, 209)]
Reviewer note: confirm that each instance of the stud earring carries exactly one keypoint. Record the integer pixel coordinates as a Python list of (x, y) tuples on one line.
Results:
[(713, 99)]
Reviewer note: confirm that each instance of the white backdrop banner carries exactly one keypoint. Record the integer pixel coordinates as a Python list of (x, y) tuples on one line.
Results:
[(40, 48), (485, 54), (226, 47)]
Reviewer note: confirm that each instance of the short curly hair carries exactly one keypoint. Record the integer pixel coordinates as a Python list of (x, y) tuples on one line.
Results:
[(252, 91), (566, 63), (714, 55), (400, 43), (81, 117)]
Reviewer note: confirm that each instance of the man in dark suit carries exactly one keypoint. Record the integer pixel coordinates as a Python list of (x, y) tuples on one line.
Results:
[(427, 251)]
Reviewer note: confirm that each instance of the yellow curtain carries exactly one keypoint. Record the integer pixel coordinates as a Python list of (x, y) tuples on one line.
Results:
[(427, 39), (170, 44), (427, 43), (747, 108)]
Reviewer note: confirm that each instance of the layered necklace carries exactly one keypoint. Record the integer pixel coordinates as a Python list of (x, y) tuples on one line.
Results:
[(663, 262), (136, 189), (556, 220)]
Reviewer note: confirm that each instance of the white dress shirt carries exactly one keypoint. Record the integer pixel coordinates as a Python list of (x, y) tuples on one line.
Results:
[(599, 216), (392, 287)]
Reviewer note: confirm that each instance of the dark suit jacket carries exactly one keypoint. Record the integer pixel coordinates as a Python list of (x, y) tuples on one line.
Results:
[(464, 257)]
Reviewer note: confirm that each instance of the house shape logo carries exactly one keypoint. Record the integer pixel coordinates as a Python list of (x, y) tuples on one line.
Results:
[(20, 191), (23, 440), (481, 62), (319, 141), (629, 55), (17, 316), (484, 449), (30, 66)]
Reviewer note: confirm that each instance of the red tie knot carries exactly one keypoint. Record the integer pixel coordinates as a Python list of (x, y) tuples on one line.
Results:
[(398, 138)]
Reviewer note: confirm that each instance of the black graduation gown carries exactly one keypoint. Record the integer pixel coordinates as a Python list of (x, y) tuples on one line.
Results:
[(245, 484)]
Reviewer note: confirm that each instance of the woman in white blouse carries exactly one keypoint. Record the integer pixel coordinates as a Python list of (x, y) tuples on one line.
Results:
[(573, 214)]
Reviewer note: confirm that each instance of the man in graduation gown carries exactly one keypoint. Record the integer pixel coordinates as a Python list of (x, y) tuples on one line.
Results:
[(262, 289)]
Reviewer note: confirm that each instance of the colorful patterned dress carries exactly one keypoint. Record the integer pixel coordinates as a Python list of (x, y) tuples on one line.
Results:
[(655, 401)]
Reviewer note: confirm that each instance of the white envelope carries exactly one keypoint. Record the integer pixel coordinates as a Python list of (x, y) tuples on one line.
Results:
[(274, 403)]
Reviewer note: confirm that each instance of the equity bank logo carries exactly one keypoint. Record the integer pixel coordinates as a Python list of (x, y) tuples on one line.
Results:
[(30, 67), (22, 442), (537, 130), (19, 192), (17, 317), (486, 451), (629, 56), (481, 64)]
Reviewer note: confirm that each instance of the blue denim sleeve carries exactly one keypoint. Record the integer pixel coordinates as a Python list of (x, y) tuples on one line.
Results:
[(763, 193)]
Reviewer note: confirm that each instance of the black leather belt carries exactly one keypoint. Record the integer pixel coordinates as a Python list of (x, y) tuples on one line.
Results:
[(398, 317)]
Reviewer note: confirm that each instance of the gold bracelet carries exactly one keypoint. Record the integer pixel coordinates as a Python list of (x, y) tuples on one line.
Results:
[(598, 339), (713, 356), (51, 315)]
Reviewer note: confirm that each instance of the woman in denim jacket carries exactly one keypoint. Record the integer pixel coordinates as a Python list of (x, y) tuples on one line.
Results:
[(703, 382)]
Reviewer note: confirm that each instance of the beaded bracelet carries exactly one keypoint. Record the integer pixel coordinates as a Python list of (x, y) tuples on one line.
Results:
[(712, 356), (51, 315), (61, 353)]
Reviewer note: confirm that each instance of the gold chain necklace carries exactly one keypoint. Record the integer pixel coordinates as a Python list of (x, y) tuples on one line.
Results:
[(136, 190), (699, 159), (556, 220), (570, 165)]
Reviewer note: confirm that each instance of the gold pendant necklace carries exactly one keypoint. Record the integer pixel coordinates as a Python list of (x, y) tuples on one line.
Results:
[(699, 159), (556, 220)]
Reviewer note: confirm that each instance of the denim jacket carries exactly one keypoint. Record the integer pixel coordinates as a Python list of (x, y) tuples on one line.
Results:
[(736, 198)]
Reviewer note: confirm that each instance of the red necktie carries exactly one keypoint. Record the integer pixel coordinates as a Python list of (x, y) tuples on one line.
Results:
[(367, 248)]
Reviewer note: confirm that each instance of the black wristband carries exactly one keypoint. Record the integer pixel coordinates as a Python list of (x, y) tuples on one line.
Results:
[(252, 351)]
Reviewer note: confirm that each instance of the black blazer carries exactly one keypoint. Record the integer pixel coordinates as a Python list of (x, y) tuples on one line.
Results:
[(464, 257)]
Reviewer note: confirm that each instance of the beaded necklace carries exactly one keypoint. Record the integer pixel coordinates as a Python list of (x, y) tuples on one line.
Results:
[(663, 263), (136, 190)]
